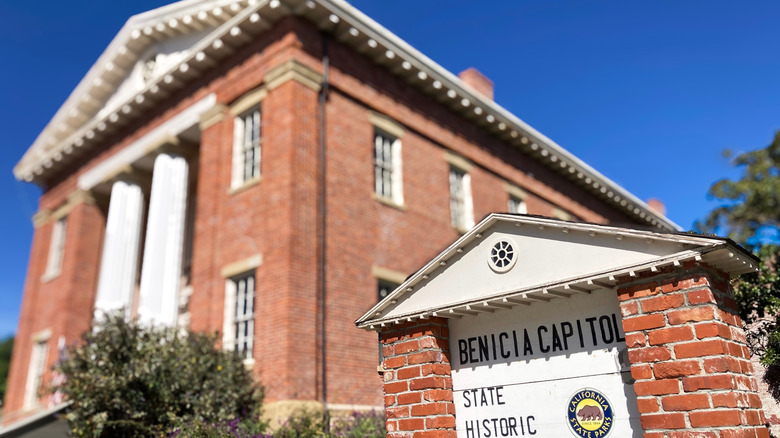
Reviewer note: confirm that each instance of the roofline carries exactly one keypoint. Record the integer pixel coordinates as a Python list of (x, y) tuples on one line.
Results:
[(353, 27), (742, 262)]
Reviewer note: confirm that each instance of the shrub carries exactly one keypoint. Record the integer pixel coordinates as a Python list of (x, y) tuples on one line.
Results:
[(361, 425), (125, 380), (302, 424)]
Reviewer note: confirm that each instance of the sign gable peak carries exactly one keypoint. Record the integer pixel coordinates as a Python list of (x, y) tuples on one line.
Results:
[(509, 260)]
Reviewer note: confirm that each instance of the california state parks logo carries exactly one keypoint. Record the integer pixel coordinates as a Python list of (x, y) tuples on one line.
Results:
[(589, 414)]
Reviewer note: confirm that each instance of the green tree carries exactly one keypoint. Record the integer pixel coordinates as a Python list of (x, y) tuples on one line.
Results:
[(750, 213), (5, 363), (126, 380)]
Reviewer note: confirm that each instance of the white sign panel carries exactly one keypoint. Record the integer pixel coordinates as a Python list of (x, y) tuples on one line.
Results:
[(552, 369)]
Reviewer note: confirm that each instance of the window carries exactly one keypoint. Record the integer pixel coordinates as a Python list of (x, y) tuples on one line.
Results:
[(246, 147), (388, 181), (56, 249), (242, 293), (384, 287), (516, 205), (35, 373), (461, 208), (384, 164)]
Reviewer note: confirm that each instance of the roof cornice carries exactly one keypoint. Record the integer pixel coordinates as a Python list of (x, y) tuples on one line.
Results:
[(722, 253), (77, 126)]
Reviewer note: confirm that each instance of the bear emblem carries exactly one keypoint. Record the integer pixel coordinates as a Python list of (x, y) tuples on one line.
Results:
[(588, 413)]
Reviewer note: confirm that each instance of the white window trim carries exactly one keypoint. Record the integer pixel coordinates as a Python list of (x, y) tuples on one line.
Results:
[(561, 214), (515, 192), (39, 355), (466, 221), (56, 249), (389, 128), (386, 274), (246, 104), (231, 272), (239, 177)]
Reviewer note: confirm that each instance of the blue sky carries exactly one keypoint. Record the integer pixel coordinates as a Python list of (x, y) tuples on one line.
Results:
[(647, 92)]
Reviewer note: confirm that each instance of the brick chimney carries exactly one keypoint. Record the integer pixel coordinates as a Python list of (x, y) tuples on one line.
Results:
[(657, 206), (477, 82)]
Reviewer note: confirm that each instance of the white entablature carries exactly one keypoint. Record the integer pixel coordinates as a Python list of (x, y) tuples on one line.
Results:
[(516, 260), (109, 97)]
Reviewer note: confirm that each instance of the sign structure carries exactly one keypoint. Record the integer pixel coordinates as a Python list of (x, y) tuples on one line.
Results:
[(552, 369)]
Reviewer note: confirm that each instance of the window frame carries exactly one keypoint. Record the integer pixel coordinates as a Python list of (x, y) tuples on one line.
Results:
[(247, 147), (387, 167), (249, 103), (56, 254), (234, 292), (387, 135), (36, 369), (461, 203), (232, 273), (389, 278), (516, 202)]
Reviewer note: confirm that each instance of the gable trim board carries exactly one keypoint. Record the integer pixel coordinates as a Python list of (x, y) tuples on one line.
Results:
[(82, 121), (612, 253)]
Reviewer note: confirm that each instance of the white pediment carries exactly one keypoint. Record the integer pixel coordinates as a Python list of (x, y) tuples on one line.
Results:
[(150, 66), (544, 259)]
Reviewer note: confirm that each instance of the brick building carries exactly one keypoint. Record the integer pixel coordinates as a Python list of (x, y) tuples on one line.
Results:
[(268, 169)]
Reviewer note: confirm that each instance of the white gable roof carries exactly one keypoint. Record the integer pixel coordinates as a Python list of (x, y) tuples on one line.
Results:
[(552, 259), (206, 31)]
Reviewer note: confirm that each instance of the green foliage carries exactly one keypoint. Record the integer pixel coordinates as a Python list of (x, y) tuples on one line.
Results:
[(310, 424), (752, 203), (361, 425), (132, 381), (750, 214), (303, 424), (758, 297), (5, 362)]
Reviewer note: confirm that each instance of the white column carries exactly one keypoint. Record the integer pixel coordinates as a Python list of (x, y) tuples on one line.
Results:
[(119, 264), (161, 270)]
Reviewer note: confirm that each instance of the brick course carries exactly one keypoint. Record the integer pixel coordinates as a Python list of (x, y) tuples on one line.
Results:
[(696, 374), (280, 218), (422, 405)]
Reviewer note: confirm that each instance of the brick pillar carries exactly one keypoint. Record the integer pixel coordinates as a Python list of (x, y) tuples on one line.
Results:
[(688, 355), (418, 380)]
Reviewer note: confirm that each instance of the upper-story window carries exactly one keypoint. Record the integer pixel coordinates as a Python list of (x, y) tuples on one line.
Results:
[(388, 182), (387, 166), (516, 205), (516, 202), (247, 147), (461, 203), (56, 248), (461, 207)]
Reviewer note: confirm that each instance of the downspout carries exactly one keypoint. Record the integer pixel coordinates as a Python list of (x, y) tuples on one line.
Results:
[(323, 99)]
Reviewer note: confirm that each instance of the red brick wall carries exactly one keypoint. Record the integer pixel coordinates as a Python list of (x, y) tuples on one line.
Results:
[(688, 356), (417, 380), (278, 217), (63, 304)]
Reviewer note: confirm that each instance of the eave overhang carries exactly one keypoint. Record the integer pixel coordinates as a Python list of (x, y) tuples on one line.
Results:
[(718, 252), (78, 125)]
